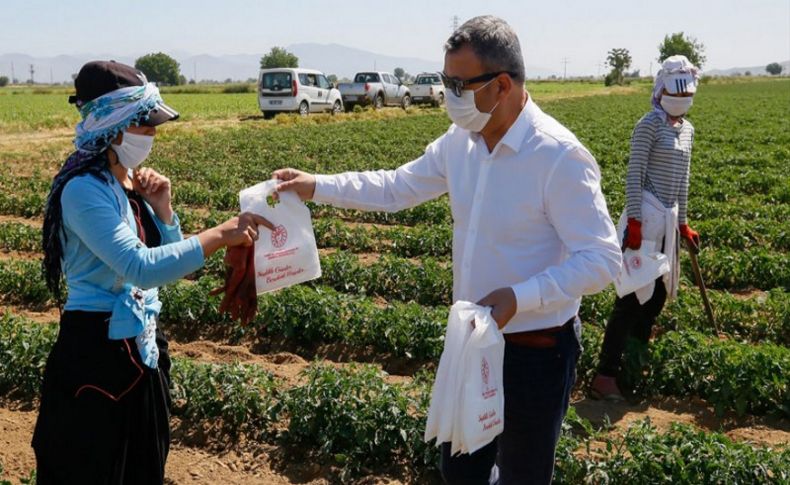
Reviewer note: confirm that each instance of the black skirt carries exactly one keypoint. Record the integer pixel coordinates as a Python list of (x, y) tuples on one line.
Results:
[(104, 415)]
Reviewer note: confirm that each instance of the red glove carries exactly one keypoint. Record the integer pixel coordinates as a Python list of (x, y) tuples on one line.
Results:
[(633, 234), (689, 235)]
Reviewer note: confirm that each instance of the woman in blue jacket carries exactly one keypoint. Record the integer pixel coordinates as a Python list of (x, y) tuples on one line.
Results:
[(110, 232)]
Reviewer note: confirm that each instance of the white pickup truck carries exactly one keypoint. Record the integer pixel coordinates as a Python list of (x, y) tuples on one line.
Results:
[(428, 88), (377, 88)]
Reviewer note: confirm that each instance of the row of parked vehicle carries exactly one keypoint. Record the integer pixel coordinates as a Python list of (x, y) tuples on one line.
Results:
[(309, 91)]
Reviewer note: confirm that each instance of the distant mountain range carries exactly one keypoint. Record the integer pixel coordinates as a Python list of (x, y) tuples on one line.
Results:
[(343, 61), (335, 59), (754, 70)]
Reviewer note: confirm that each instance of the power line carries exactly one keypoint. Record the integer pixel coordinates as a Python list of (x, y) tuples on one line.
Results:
[(564, 68), (455, 22), (32, 74)]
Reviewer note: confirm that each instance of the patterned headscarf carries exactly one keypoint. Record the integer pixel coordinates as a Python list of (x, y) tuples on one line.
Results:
[(103, 119), (680, 73)]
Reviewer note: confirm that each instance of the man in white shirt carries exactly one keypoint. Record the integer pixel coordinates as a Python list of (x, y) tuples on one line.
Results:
[(531, 235)]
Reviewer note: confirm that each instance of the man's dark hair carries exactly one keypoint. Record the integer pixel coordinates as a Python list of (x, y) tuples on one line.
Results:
[(493, 41)]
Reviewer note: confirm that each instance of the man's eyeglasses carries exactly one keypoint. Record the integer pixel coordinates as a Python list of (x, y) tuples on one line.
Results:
[(457, 85)]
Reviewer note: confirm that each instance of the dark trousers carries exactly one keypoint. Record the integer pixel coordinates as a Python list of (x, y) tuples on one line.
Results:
[(629, 319), (537, 384)]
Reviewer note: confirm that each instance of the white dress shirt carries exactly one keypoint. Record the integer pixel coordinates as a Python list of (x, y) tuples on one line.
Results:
[(529, 214)]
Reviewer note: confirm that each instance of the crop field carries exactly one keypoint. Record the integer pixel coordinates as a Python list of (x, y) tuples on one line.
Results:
[(331, 382)]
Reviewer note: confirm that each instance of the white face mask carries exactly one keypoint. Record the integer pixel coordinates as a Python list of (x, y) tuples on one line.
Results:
[(134, 149), (463, 111), (676, 105)]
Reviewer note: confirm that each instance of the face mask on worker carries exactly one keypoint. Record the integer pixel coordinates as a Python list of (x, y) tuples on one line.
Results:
[(134, 149), (463, 111), (676, 105)]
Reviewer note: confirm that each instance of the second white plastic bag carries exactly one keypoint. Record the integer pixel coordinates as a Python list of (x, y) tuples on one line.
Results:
[(467, 401), (481, 410)]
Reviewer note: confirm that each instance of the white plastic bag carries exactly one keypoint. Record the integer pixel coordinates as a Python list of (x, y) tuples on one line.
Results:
[(482, 402), (288, 255), (467, 401), (640, 268)]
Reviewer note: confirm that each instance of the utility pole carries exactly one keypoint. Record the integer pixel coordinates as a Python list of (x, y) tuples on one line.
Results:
[(651, 68), (32, 73), (564, 68), (51, 78), (13, 76), (600, 65), (194, 72)]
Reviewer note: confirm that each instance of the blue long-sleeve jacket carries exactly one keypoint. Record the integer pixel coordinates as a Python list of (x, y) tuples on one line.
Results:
[(104, 261)]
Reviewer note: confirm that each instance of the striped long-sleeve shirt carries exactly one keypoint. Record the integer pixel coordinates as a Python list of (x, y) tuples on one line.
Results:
[(659, 163)]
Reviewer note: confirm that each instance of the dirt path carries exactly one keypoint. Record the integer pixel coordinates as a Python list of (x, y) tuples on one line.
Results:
[(185, 465), (49, 315), (665, 411), (35, 221), (282, 364)]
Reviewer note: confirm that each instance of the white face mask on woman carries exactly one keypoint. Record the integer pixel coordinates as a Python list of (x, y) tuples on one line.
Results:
[(676, 105), (463, 110), (134, 149)]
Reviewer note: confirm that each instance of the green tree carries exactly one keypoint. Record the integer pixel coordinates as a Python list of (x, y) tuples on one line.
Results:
[(279, 57), (774, 69), (680, 44), (332, 78), (620, 60), (3, 81), (400, 72), (159, 68)]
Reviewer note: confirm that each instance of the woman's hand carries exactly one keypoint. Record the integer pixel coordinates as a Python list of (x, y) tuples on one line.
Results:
[(241, 230), (155, 189)]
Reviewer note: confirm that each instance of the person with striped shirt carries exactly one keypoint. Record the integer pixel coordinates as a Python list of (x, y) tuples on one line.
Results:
[(658, 176)]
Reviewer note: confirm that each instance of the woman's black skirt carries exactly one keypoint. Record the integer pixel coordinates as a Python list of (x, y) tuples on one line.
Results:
[(104, 415)]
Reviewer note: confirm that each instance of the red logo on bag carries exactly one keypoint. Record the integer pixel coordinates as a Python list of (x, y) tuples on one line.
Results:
[(636, 262), (484, 371), (279, 236)]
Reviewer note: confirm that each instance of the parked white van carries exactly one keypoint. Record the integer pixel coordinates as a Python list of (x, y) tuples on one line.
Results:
[(294, 89)]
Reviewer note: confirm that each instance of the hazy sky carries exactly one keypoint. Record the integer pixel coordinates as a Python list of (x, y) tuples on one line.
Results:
[(735, 32)]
